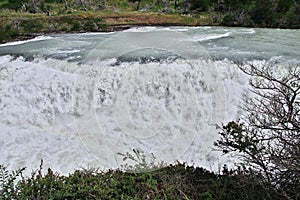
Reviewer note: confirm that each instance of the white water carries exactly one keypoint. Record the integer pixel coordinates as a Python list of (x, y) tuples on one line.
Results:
[(39, 38), (78, 100)]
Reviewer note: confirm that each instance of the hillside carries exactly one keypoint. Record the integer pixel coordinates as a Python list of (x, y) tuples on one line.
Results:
[(21, 19)]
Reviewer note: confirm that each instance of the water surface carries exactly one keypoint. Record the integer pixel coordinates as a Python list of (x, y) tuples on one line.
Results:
[(77, 100)]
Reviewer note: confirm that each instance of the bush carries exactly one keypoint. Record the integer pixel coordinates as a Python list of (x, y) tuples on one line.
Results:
[(15, 4), (75, 26), (30, 26), (200, 5), (171, 182), (7, 32), (268, 136), (268, 13), (7, 183)]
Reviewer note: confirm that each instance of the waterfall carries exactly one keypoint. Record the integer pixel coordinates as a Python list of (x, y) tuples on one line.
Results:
[(81, 100)]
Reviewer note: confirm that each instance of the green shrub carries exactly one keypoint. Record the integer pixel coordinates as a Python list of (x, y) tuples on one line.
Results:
[(75, 26), (7, 32), (93, 24), (171, 182), (30, 25), (200, 5), (7, 183)]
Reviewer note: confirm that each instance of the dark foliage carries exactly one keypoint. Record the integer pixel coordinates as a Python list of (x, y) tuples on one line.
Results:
[(268, 13), (172, 182), (268, 136)]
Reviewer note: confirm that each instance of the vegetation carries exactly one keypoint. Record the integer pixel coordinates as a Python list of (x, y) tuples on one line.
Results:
[(171, 182), (106, 15), (257, 13), (267, 137), (24, 19)]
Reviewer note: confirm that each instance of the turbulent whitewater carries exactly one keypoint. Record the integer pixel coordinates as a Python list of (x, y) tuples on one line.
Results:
[(79, 100)]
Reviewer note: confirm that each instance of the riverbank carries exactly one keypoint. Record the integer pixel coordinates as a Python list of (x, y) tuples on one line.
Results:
[(26, 19), (19, 26)]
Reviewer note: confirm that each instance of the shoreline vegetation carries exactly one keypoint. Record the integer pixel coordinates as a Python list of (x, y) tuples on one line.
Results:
[(26, 26), (25, 19)]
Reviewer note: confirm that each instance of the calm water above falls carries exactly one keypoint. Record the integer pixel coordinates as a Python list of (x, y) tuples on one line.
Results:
[(77, 100)]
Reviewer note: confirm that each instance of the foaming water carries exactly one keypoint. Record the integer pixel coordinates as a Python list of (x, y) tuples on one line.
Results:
[(206, 37), (83, 98), (39, 38), (55, 110)]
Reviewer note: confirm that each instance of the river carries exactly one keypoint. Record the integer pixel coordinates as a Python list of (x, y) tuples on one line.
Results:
[(82, 100)]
